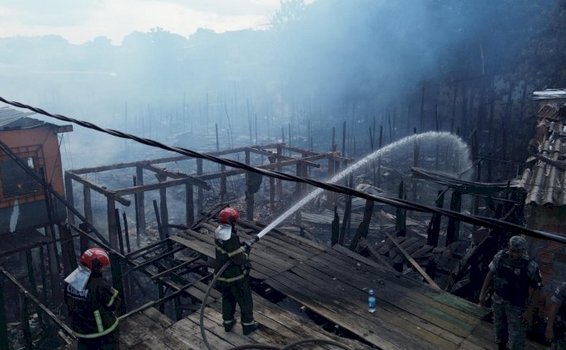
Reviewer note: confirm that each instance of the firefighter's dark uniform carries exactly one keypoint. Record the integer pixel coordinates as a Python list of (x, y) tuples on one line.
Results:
[(91, 313), (511, 282), (234, 282)]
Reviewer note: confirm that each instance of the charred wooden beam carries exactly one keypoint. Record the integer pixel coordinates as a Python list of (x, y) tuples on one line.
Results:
[(155, 186), (176, 175), (363, 229), (413, 262), (98, 188), (175, 268), (282, 157), (276, 166)]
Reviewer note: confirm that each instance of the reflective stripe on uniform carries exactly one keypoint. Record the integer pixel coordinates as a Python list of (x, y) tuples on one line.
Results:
[(232, 279), (98, 319), (114, 295), (99, 334), (248, 323), (232, 253)]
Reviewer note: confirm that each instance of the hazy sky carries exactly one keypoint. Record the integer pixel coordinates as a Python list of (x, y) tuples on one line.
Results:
[(79, 21)]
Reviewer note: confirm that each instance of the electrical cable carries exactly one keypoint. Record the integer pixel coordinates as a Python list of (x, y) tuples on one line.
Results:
[(399, 203)]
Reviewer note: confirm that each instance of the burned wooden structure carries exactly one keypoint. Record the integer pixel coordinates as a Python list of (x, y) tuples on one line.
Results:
[(329, 282), (279, 157)]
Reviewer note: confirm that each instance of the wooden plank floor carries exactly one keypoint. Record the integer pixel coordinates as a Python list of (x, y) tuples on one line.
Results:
[(152, 330), (333, 283)]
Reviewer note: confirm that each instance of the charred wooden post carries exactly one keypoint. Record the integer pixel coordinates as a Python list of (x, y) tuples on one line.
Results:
[(87, 203), (475, 154), (119, 231), (433, 233), (279, 181), (67, 249), (300, 171), (363, 229), (117, 282), (217, 142), (53, 267), (344, 139), (453, 228), (335, 228), (190, 207), (136, 214), (416, 158), (223, 184), (126, 232), (163, 205), (161, 295), (272, 159), (379, 159), (33, 283), (52, 247), (140, 203), (253, 183), (178, 309), (4, 341), (344, 230), (123, 246), (162, 234), (112, 234), (200, 194), (401, 214), (43, 277), (25, 321), (331, 171), (250, 200), (70, 197)]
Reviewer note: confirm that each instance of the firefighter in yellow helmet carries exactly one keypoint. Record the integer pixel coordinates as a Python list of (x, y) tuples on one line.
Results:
[(234, 282), (91, 303)]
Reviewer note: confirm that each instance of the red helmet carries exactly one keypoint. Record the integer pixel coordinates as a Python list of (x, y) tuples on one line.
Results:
[(228, 215), (95, 259)]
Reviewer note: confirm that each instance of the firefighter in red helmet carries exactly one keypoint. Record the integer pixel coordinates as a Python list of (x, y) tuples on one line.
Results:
[(234, 282), (91, 303)]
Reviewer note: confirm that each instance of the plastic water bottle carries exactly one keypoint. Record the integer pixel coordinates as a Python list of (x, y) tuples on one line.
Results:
[(371, 301)]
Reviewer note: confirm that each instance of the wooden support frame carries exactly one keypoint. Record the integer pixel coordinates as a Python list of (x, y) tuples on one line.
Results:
[(99, 189)]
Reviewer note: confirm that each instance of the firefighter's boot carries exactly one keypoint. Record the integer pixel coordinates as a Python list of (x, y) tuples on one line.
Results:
[(229, 324), (250, 327)]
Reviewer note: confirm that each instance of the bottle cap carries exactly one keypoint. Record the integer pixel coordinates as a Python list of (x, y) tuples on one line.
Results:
[(371, 292)]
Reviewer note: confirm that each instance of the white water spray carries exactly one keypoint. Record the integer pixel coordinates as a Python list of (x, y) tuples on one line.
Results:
[(453, 143)]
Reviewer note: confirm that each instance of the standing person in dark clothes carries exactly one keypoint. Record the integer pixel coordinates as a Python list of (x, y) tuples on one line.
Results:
[(556, 326), (91, 303), (234, 282), (516, 284)]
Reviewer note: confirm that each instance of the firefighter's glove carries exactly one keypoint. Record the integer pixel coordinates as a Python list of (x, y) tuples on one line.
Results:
[(247, 247)]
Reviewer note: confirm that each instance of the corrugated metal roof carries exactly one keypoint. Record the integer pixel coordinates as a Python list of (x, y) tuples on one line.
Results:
[(549, 94), (545, 178), (11, 119)]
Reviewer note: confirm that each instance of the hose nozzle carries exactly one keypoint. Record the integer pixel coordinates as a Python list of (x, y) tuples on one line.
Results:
[(253, 241)]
